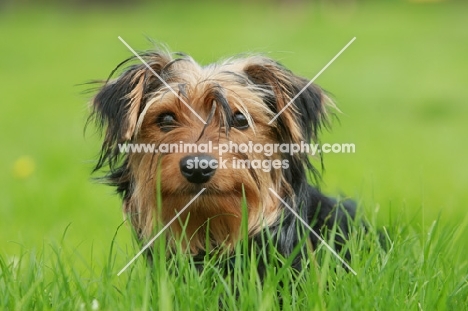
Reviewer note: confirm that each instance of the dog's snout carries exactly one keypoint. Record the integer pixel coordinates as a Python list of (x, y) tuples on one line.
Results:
[(198, 169)]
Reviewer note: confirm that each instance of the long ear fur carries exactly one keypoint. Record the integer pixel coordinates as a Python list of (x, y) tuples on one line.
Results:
[(301, 121), (116, 109), (117, 105)]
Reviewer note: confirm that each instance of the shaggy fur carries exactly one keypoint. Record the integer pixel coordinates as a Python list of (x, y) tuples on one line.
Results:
[(237, 98)]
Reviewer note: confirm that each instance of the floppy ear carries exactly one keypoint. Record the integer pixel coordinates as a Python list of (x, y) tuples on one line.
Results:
[(299, 122), (119, 102), (303, 118)]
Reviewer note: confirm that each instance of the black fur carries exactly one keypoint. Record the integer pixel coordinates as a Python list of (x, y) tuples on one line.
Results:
[(321, 212)]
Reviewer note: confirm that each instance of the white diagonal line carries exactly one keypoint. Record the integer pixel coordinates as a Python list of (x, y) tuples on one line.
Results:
[(161, 79), (313, 232), (160, 232), (311, 81)]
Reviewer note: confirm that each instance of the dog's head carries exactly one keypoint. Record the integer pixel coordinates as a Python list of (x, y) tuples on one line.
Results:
[(171, 101)]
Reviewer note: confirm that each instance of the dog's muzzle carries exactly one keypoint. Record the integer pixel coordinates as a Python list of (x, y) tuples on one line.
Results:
[(198, 169)]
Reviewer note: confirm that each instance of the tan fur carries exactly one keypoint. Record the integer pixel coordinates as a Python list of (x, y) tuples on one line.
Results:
[(219, 208)]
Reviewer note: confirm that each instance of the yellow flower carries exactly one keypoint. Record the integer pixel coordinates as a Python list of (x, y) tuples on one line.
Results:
[(23, 167)]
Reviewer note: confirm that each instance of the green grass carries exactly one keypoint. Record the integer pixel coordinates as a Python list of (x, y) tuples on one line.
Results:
[(415, 272), (401, 87)]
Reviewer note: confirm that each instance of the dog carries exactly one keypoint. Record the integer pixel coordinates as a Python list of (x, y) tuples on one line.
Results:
[(169, 99)]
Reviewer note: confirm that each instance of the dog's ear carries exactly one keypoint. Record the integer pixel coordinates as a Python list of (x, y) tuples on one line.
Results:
[(303, 118), (119, 102), (299, 122)]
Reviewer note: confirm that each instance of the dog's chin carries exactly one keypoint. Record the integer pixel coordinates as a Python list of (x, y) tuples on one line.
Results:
[(210, 188), (205, 189)]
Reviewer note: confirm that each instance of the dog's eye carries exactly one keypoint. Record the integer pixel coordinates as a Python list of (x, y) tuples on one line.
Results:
[(239, 121), (166, 121)]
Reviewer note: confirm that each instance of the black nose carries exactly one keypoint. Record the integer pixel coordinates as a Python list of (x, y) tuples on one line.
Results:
[(198, 169)]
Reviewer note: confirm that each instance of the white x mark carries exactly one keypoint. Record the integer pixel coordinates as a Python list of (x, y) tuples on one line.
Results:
[(160, 232), (161, 79), (311, 81), (313, 232)]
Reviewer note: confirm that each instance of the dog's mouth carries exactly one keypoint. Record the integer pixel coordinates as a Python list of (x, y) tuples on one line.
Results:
[(211, 188), (203, 190)]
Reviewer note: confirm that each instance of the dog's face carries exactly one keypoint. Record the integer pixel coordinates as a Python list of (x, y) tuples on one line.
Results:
[(221, 104)]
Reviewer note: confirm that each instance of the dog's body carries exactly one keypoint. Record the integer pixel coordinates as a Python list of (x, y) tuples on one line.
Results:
[(236, 99)]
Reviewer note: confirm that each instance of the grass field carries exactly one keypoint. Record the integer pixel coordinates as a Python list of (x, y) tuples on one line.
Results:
[(401, 87)]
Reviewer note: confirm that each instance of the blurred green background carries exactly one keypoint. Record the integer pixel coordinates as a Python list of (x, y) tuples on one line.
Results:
[(401, 87)]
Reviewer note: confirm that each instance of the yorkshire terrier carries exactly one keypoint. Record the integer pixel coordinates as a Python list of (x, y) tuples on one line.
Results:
[(237, 102)]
